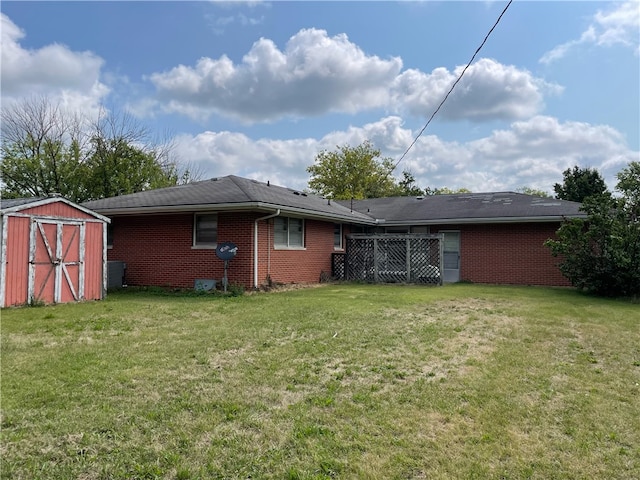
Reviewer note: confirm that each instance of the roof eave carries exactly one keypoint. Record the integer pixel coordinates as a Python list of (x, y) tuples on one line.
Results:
[(471, 220), (249, 206), (46, 201)]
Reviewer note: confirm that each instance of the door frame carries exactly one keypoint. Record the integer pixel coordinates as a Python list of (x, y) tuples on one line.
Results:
[(451, 275), (57, 259)]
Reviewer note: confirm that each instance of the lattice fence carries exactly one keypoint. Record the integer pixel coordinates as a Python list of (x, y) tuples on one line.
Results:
[(391, 258)]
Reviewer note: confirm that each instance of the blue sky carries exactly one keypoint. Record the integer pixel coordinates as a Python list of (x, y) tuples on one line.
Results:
[(258, 88)]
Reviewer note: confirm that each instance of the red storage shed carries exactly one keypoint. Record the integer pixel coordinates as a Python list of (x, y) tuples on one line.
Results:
[(52, 251)]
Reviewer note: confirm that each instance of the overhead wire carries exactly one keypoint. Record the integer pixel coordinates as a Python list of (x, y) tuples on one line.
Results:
[(454, 84)]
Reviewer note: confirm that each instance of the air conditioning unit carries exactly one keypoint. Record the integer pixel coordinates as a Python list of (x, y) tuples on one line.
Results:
[(115, 274)]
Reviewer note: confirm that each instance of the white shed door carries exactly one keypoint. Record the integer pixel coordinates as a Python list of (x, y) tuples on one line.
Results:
[(56, 261)]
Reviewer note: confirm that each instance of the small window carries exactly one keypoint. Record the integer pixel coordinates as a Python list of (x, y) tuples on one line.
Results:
[(400, 230), (288, 232), (205, 230), (337, 236), (110, 234)]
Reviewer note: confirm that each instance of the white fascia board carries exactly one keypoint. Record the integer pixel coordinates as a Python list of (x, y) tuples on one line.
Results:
[(121, 211), (24, 206), (46, 201), (481, 220), (353, 217)]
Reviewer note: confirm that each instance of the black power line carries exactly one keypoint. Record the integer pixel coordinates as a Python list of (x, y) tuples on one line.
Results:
[(454, 84)]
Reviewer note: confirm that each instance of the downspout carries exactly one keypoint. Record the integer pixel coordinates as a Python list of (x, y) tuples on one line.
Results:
[(255, 246)]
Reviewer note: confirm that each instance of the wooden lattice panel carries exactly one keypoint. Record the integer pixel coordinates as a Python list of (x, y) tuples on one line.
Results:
[(390, 258)]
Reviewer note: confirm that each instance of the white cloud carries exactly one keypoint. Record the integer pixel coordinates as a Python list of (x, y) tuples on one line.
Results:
[(73, 78), (531, 153), (535, 152), (387, 132), (618, 26), (488, 90), (219, 24), (315, 74), (318, 74), (283, 162)]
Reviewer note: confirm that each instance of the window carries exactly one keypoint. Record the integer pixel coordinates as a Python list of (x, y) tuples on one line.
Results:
[(337, 236), (288, 232), (110, 234), (360, 229), (401, 230), (205, 230)]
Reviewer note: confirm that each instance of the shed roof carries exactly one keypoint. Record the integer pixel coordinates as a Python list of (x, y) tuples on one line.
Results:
[(13, 205), (227, 193), (492, 207)]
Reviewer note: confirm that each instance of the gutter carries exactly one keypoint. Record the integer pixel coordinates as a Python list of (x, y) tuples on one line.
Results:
[(255, 245), (346, 217), (479, 220)]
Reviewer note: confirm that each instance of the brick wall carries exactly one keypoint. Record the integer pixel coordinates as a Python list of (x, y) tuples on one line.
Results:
[(158, 251), (300, 266), (507, 253)]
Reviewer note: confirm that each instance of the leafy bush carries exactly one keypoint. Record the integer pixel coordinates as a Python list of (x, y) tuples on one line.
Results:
[(601, 254)]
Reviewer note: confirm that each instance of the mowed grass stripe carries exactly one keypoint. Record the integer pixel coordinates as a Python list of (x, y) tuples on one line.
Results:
[(339, 381)]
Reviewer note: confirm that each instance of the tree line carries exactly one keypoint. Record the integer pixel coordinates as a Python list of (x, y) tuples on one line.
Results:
[(46, 150), (601, 253), (361, 172)]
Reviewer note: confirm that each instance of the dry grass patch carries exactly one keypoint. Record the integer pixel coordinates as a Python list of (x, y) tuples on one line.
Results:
[(339, 381)]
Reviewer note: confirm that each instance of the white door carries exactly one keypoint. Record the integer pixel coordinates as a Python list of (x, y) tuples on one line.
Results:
[(451, 257), (56, 261)]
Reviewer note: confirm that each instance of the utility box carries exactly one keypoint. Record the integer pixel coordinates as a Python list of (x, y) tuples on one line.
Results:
[(115, 274), (205, 284)]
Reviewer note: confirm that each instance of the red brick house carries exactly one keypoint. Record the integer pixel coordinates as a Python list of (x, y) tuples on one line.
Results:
[(488, 237), (168, 237)]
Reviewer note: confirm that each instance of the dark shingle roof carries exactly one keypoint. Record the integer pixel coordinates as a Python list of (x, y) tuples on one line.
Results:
[(237, 193), (7, 203), (466, 208), (226, 193)]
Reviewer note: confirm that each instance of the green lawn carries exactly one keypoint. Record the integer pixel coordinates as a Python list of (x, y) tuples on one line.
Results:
[(339, 381)]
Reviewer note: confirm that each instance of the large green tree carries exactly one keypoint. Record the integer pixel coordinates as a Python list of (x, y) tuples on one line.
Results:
[(408, 186), (601, 254), (352, 173), (629, 186), (121, 160), (47, 150), (445, 190), (533, 191), (40, 150), (580, 183)]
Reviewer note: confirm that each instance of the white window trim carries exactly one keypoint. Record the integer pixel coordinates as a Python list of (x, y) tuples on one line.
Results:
[(284, 247), (280, 246), (194, 246), (204, 247), (109, 245), (341, 246)]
